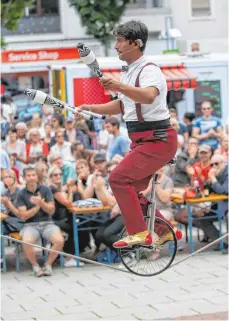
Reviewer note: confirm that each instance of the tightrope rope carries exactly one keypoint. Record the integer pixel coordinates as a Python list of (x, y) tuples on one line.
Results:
[(106, 265)]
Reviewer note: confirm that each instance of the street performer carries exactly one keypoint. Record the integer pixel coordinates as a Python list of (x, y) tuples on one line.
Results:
[(142, 92)]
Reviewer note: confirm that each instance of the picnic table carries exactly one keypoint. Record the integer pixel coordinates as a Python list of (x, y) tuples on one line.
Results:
[(82, 215), (178, 198)]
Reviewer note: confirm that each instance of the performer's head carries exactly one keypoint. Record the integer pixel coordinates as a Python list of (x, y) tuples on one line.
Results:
[(131, 38)]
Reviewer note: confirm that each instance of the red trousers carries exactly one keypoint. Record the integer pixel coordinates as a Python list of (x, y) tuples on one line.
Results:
[(133, 174)]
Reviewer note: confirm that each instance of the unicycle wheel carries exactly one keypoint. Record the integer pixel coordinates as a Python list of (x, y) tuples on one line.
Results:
[(151, 260)]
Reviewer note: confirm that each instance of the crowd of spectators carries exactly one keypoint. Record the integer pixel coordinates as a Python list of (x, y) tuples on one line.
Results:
[(54, 160)]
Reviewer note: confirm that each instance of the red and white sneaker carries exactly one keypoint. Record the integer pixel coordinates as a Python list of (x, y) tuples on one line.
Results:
[(142, 238)]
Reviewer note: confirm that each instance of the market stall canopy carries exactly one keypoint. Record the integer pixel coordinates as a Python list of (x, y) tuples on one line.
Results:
[(177, 77)]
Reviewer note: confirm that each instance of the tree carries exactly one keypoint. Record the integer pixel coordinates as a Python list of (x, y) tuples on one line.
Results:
[(11, 13), (100, 17)]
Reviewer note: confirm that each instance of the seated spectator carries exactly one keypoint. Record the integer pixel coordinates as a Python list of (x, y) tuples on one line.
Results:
[(218, 178), (42, 172), (120, 144), (182, 129), (36, 206), (62, 217), (79, 152), (108, 233), (5, 124), (180, 138), (13, 223), (21, 129), (100, 169), (200, 169), (164, 190), (73, 133), (35, 147), (188, 120), (49, 135), (62, 146), (17, 148), (208, 129), (223, 149), (104, 140), (68, 172), (57, 122), (13, 167), (83, 172), (184, 160)]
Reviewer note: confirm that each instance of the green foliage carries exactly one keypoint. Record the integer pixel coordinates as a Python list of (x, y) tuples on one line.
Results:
[(11, 12), (100, 17)]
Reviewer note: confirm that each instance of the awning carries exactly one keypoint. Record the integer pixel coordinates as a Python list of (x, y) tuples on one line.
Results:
[(177, 77)]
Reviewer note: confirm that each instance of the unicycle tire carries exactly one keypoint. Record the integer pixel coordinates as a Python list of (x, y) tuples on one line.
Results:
[(151, 260)]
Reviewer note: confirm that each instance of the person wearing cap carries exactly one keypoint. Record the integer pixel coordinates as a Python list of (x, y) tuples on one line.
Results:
[(200, 169), (142, 93)]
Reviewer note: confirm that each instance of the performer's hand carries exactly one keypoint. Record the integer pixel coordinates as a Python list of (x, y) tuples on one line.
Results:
[(80, 108), (109, 83)]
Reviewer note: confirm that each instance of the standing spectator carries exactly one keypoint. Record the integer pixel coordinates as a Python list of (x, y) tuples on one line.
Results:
[(35, 147), (120, 144), (62, 146), (13, 223), (68, 172), (182, 129), (17, 148), (208, 128), (223, 149), (21, 129), (184, 160), (36, 206), (7, 111), (188, 120)]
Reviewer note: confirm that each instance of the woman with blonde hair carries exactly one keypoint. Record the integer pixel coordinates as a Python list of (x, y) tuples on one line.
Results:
[(13, 223), (35, 147), (62, 217)]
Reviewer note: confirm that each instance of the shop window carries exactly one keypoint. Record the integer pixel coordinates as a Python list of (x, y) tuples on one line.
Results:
[(201, 8), (208, 90), (42, 7)]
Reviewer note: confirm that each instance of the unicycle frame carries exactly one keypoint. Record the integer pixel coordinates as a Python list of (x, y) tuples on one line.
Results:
[(151, 212)]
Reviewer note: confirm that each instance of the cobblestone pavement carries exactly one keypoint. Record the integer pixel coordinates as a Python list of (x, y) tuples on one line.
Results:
[(197, 289)]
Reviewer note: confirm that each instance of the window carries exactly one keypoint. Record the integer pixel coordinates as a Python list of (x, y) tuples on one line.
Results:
[(201, 8), (209, 90), (42, 8), (145, 4)]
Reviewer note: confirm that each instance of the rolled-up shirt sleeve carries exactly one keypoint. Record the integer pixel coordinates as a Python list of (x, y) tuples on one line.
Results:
[(151, 76)]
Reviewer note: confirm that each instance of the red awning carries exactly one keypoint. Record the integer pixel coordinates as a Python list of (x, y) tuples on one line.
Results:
[(177, 77)]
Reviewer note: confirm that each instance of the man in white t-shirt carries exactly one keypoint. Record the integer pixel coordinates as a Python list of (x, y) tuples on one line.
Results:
[(142, 93)]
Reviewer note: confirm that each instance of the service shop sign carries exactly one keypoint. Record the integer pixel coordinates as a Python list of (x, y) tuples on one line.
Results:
[(16, 56)]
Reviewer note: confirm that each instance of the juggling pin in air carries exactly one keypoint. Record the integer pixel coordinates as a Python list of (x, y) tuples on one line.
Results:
[(88, 58)]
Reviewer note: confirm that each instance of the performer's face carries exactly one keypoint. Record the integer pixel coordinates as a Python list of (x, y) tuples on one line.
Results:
[(124, 48)]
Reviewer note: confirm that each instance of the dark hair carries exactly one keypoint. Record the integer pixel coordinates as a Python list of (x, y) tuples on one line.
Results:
[(113, 121), (190, 116), (132, 30), (12, 130), (27, 169)]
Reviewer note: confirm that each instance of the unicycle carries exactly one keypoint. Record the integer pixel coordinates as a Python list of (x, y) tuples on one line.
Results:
[(145, 260)]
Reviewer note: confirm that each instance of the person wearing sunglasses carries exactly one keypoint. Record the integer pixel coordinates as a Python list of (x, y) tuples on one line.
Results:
[(62, 217), (208, 128), (218, 178)]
